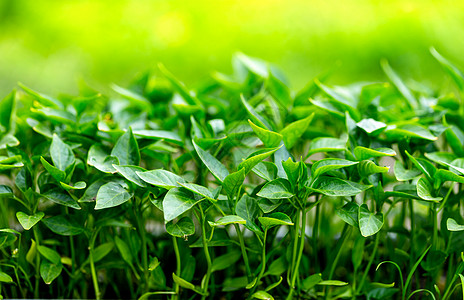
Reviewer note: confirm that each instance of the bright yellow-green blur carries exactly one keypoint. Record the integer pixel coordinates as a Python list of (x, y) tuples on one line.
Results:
[(51, 45)]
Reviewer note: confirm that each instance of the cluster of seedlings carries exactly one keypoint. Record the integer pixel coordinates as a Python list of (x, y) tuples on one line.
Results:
[(240, 189)]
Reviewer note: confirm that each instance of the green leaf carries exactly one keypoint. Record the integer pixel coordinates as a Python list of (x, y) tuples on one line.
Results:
[(5, 278), (399, 84), (28, 221), (130, 173), (278, 90), (184, 283), (61, 198), (441, 158), (224, 261), (332, 283), (214, 166), (254, 116), (262, 295), (63, 225), (402, 174), (311, 282), (424, 191), (226, 220), (445, 175), (111, 194), (255, 158), (277, 267), (179, 87), (62, 155), (99, 159), (50, 271), (199, 190), (5, 191), (8, 112), (325, 165), (452, 225), (349, 213), (159, 135), (326, 144), (233, 182), (134, 98), (275, 219), (369, 223), (176, 202), (182, 228), (266, 170), (371, 126), (450, 68), (332, 186), (127, 149), (274, 285), (248, 209), (124, 249), (269, 138), (277, 189), (161, 178), (367, 167), (424, 166), (292, 132), (409, 131), (49, 254), (340, 99), (455, 138), (101, 251), (80, 185), (42, 98), (363, 153), (292, 170)]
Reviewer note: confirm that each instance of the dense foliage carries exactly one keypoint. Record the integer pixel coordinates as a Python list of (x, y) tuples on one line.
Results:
[(239, 189)]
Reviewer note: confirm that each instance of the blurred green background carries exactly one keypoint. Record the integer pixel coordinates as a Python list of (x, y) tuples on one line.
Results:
[(51, 45)]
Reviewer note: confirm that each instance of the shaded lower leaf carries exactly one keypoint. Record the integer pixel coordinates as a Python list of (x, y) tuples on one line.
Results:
[(49, 271), (176, 202), (63, 225), (182, 228), (369, 223)]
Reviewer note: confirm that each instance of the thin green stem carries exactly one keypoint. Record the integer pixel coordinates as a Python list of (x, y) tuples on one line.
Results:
[(263, 264), (338, 250), (369, 264), (244, 253), (296, 229), (92, 265), (316, 236), (205, 283), (141, 227), (435, 227), (37, 263), (300, 254), (178, 268)]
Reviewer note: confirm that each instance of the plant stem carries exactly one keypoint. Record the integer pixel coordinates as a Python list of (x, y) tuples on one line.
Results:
[(141, 226), (37, 263), (369, 264), (263, 264), (207, 255), (435, 227), (92, 266), (295, 250), (178, 268), (244, 253), (315, 237), (300, 253)]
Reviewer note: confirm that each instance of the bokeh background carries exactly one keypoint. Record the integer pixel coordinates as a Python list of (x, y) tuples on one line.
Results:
[(52, 45)]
